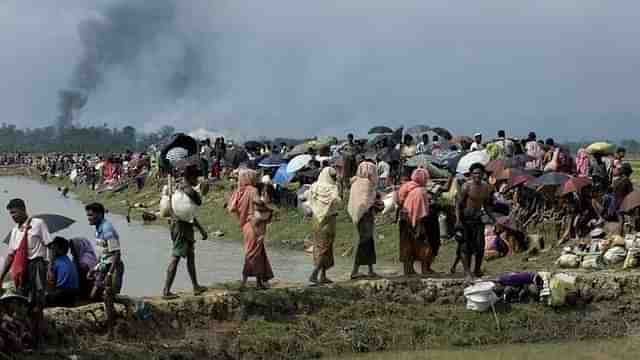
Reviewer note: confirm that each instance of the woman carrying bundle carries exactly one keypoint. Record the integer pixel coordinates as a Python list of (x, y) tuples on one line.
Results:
[(254, 215), (418, 241), (364, 202), (324, 199)]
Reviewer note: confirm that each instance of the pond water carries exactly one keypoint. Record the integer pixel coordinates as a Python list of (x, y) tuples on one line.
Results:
[(620, 349), (146, 249)]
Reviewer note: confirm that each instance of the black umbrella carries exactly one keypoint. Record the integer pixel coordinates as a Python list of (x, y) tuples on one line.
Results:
[(54, 223), (271, 161), (179, 140), (549, 179), (418, 129), (253, 145), (443, 132), (380, 130)]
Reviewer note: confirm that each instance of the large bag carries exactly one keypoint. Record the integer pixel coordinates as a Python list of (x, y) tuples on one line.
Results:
[(183, 207), (165, 202)]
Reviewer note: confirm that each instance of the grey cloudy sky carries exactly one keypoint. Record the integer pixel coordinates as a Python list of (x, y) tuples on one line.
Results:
[(568, 68)]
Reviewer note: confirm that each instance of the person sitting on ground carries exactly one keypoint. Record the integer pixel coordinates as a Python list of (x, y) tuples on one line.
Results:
[(85, 260), (63, 277)]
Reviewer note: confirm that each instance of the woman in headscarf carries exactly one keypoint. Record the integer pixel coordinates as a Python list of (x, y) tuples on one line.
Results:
[(242, 201), (417, 240), (85, 260), (324, 199), (364, 202), (254, 215)]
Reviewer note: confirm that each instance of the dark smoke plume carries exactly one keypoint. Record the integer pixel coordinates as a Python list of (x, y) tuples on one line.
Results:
[(115, 40)]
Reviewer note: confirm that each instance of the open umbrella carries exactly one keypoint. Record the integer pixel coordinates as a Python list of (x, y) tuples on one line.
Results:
[(510, 173), (631, 201), (549, 179), (272, 161), (443, 133), (299, 150), (327, 141), (54, 223), (298, 162), (253, 145), (518, 180), (496, 166), (380, 130), (186, 144), (481, 157), (418, 130), (575, 184), (281, 177)]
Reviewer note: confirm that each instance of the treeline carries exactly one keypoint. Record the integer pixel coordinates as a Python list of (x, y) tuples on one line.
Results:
[(94, 139)]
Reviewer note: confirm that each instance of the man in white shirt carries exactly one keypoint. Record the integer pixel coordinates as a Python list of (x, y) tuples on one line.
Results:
[(477, 142), (26, 260), (423, 147)]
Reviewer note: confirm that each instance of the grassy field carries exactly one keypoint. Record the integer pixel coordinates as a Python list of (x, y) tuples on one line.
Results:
[(636, 172)]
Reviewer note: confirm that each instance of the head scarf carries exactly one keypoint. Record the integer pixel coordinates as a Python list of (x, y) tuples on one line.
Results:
[(582, 162), (324, 196), (83, 249), (363, 191), (413, 196), (242, 200)]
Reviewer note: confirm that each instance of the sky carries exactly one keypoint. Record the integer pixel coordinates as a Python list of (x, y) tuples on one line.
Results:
[(563, 68)]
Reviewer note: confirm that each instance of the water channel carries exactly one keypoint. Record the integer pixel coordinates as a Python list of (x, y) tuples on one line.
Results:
[(147, 248)]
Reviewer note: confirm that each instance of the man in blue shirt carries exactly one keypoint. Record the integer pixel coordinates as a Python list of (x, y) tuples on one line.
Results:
[(63, 275), (109, 272)]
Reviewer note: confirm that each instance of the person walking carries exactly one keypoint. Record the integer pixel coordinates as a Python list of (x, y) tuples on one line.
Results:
[(109, 273), (324, 199), (364, 203), (183, 236)]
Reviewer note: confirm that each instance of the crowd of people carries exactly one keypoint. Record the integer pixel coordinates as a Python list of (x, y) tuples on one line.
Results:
[(353, 175)]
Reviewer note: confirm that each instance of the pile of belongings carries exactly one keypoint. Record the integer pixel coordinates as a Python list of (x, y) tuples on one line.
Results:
[(601, 251)]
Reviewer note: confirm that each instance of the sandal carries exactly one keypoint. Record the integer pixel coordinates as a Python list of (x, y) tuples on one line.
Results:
[(199, 290), (170, 296)]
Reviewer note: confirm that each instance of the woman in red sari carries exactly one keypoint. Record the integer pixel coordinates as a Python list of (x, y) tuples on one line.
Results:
[(254, 215), (418, 241)]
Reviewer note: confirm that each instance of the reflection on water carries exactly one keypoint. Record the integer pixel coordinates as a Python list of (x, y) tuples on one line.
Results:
[(147, 248), (621, 349)]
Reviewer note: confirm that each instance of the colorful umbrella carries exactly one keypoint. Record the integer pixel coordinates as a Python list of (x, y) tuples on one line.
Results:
[(519, 180), (575, 184)]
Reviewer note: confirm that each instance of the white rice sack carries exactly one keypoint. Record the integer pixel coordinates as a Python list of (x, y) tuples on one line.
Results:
[(183, 207), (615, 255), (568, 261), (165, 202)]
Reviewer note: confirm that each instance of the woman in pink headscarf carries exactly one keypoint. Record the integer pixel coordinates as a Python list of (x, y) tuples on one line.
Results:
[(416, 243), (254, 215), (364, 202)]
